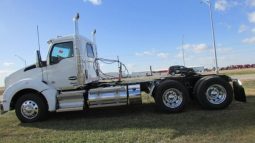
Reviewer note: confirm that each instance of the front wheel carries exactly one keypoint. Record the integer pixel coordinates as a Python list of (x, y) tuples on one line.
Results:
[(171, 96), (31, 108)]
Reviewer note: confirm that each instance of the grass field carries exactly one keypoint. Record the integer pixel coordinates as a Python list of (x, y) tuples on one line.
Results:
[(239, 71), (248, 71), (142, 123)]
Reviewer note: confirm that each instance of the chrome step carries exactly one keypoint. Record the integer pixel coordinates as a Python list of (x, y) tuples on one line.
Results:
[(70, 109), (71, 100)]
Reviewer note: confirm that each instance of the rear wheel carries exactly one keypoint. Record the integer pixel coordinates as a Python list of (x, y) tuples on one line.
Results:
[(31, 108), (198, 83), (214, 93), (171, 96)]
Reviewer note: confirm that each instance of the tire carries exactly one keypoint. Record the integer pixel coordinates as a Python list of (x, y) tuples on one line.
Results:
[(31, 108), (171, 96), (214, 93), (195, 89)]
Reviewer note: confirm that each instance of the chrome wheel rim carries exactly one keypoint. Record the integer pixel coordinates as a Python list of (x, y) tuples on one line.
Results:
[(216, 94), (29, 109), (172, 98)]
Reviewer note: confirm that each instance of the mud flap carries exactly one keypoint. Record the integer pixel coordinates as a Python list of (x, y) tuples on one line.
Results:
[(1, 109), (239, 91)]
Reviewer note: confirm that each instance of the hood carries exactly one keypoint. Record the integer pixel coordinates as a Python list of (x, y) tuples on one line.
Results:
[(30, 72)]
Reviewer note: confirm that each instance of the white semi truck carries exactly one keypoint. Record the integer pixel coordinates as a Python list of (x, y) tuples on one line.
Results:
[(69, 80)]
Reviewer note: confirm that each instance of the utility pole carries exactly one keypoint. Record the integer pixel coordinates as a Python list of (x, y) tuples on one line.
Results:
[(151, 71), (183, 54), (208, 2)]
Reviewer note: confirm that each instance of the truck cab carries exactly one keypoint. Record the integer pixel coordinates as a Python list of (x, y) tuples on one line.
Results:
[(71, 63)]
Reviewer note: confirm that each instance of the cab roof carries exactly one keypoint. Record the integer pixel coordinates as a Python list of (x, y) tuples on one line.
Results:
[(66, 38)]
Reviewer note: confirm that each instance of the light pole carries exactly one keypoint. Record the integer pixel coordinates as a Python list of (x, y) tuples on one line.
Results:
[(21, 59), (208, 2), (183, 54)]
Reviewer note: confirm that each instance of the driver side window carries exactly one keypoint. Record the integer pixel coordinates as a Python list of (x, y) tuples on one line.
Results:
[(61, 51)]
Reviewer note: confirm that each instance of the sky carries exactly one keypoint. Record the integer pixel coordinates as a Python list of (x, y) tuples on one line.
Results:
[(140, 32)]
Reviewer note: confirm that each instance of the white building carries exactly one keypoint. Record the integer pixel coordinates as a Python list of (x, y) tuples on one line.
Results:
[(199, 69)]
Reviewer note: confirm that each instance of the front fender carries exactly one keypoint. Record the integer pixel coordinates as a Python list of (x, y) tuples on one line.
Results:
[(47, 91)]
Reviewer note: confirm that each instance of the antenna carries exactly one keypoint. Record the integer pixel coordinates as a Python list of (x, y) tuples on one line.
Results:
[(22, 59), (39, 47)]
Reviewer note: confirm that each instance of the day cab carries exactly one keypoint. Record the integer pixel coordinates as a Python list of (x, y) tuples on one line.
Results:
[(71, 80)]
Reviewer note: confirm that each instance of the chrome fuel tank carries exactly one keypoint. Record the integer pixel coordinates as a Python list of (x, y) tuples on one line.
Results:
[(114, 96), (106, 97), (134, 94)]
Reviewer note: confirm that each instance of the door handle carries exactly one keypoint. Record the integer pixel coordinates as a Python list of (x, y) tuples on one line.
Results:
[(72, 78)]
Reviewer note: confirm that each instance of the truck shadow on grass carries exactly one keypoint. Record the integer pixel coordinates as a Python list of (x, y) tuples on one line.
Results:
[(193, 120)]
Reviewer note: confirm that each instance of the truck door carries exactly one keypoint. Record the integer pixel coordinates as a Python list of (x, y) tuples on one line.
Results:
[(91, 68), (62, 69)]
